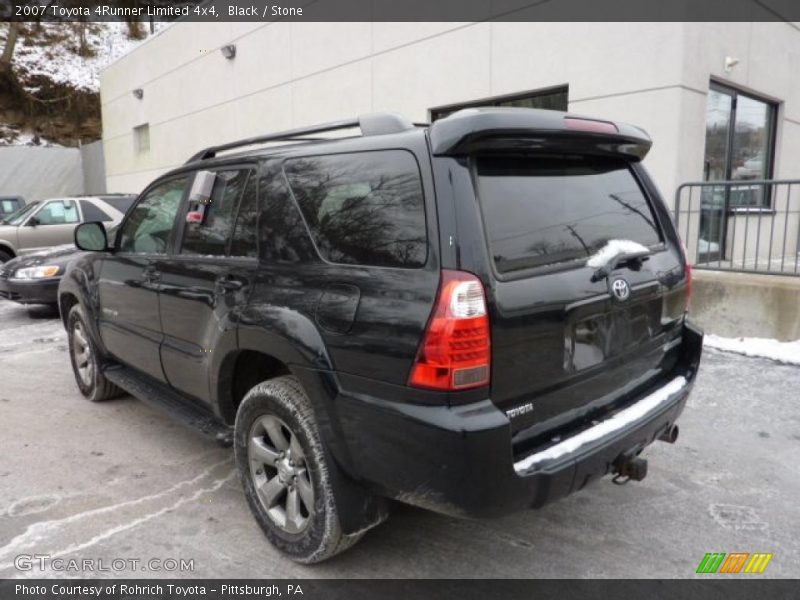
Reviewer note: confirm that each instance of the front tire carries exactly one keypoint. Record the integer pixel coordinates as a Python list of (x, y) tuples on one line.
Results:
[(5, 257), (86, 360), (284, 472)]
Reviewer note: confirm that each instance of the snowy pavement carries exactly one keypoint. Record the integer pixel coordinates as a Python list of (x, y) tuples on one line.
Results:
[(120, 480), (785, 352)]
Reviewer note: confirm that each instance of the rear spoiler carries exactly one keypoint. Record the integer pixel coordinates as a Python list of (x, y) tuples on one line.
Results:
[(526, 129)]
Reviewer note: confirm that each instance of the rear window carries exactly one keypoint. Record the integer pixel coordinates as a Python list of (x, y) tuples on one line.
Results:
[(543, 210), (365, 208)]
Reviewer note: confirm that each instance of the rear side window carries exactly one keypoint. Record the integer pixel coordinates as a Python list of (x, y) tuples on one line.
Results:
[(363, 208), (543, 210), (93, 213), (210, 236), (121, 203)]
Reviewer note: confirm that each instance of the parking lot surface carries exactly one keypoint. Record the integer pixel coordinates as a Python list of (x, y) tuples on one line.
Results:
[(119, 480)]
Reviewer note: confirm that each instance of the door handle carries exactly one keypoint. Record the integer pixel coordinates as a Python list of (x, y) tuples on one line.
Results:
[(229, 283), (151, 274)]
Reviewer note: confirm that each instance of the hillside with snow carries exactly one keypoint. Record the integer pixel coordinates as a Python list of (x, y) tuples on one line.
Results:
[(54, 95)]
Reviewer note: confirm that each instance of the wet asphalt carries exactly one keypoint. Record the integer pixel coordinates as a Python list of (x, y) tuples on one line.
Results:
[(119, 480)]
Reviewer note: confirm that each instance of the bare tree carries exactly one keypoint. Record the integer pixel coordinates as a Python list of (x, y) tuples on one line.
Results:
[(8, 50)]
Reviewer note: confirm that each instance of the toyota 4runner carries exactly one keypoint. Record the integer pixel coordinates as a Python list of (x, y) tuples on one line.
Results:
[(478, 316)]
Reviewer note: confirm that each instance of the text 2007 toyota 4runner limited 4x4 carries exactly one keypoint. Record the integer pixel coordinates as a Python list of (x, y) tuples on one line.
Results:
[(478, 316)]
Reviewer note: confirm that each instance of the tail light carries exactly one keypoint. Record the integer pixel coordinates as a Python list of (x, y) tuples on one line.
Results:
[(455, 350), (688, 273), (590, 125)]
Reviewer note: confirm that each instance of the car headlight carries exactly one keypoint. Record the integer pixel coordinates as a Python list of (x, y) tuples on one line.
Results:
[(42, 272)]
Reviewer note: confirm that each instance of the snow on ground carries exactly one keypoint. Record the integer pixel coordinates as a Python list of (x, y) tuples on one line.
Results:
[(62, 65), (14, 136), (784, 352)]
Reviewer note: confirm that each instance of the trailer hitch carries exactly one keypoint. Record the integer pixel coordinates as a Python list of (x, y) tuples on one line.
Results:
[(627, 468)]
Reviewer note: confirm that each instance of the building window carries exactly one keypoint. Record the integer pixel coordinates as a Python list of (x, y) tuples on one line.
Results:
[(551, 99), (141, 138), (740, 144)]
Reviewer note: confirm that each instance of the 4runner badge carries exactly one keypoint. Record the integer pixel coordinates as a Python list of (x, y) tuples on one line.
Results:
[(519, 410), (620, 289)]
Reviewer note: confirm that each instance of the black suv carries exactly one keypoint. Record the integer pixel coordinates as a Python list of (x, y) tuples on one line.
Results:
[(476, 317)]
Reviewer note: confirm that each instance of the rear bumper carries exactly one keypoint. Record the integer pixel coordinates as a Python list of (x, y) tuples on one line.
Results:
[(40, 291), (458, 460)]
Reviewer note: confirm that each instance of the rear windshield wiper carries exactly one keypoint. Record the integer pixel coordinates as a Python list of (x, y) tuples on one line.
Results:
[(633, 259)]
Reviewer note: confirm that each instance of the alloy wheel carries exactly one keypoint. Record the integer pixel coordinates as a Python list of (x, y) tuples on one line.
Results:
[(82, 354), (280, 474)]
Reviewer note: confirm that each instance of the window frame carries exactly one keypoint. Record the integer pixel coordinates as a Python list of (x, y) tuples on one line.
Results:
[(309, 233), (438, 112), (773, 105)]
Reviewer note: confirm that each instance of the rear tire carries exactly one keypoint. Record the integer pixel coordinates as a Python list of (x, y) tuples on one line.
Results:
[(86, 365), (5, 257), (284, 472)]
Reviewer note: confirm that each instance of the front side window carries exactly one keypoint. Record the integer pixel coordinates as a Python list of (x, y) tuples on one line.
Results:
[(364, 208), (544, 210), (58, 212), (740, 146), (148, 227), (210, 236)]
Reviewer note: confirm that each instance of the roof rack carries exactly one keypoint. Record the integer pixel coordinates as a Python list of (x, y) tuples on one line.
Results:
[(370, 124)]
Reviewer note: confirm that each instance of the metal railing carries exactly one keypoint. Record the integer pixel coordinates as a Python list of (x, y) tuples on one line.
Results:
[(750, 226)]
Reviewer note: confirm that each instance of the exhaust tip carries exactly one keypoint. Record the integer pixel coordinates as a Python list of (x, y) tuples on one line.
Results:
[(670, 435)]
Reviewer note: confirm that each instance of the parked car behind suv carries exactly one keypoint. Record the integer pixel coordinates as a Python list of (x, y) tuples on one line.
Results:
[(476, 317), (42, 225), (33, 278)]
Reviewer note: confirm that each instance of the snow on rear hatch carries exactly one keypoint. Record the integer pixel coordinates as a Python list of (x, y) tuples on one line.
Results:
[(612, 249)]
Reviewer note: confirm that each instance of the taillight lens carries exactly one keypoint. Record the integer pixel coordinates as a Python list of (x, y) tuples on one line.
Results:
[(455, 350), (688, 286), (688, 273)]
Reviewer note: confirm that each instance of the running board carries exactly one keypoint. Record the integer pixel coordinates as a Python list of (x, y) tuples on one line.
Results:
[(176, 406)]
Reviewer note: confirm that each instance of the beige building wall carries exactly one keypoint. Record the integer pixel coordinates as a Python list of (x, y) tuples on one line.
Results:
[(655, 75)]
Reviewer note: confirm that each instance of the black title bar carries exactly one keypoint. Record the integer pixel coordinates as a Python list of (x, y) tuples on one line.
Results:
[(400, 10), (708, 588)]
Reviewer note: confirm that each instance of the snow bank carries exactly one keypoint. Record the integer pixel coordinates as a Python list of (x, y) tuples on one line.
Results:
[(784, 352), (611, 249), (58, 61)]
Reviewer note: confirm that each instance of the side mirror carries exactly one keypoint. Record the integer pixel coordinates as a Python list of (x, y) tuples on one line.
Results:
[(91, 236), (32, 222)]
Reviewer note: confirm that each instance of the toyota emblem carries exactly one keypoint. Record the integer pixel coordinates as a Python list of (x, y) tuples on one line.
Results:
[(620, 289)]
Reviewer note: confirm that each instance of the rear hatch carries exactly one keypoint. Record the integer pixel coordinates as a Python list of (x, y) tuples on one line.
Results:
[(566, 337)]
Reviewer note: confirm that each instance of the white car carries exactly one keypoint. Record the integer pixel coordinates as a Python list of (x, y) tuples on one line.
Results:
[(42, 225)]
